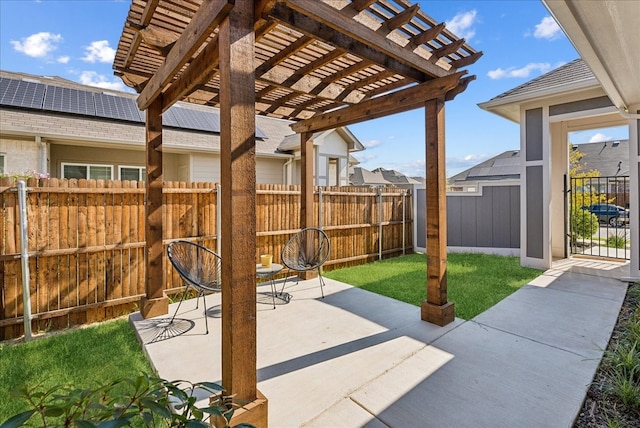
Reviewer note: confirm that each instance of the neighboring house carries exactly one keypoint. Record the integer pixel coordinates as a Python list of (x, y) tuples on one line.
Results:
[(56, 126), (381, 177), (609, 158)]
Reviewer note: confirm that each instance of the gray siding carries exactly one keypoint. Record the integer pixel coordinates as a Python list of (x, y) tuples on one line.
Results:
[(491, 220), (535, 212), (533, 130), (582, 105)]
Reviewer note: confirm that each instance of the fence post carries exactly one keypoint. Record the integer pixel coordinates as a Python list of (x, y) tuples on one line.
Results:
[(379, 223), (404, 192), (24, 258), (320, 207)]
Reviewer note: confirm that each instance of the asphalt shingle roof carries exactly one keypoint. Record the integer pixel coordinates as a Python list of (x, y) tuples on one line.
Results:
[(574, 71)]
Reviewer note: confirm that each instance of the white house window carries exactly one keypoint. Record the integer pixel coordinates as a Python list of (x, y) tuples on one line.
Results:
[(87, 171), (137, 173), (1, 164)]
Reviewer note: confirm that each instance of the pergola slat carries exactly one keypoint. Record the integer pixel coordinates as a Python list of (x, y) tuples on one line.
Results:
[(199, 29), (396, 102)]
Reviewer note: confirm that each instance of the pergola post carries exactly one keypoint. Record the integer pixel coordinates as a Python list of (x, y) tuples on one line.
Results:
[(436, 309), (155, 302), (307, 215), (238, 179), (306, 182)]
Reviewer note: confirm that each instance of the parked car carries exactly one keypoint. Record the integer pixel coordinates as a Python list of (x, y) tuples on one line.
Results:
[(613, 215)]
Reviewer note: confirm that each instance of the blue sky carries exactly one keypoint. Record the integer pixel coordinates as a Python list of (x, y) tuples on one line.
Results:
[(77, 39)]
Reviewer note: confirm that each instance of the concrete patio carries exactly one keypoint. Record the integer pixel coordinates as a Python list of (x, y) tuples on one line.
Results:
[(357, 358)]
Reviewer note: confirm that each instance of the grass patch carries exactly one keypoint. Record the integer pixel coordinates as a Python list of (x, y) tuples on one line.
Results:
[(475, 282), (81, 357)]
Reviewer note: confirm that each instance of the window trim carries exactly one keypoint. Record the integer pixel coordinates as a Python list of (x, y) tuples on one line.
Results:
[(2, 158), (138, 167), (88, 165)]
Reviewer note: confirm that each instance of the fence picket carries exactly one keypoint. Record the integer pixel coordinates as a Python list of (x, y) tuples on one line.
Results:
[(86, 240)]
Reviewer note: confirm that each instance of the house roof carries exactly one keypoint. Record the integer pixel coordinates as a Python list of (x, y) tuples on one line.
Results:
[(609, 158), (292, 141), (55, 95), (364, 177), (395, 177), (504, 166), (379, 176), (575, 75)]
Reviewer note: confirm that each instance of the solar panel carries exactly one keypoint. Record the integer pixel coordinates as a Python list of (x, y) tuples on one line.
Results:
[(196, 119), (21, 93), (168, 119), (115, 107), (67, 100)]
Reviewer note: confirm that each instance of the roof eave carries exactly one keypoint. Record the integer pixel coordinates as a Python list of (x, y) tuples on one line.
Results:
[(575, 31), (509, 106)]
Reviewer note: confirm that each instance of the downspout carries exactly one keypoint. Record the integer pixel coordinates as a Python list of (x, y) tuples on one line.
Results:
[(43, 155), (286, 178)]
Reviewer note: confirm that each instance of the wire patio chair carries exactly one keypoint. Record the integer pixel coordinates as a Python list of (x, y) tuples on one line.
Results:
[(199, 268), (306, 250)]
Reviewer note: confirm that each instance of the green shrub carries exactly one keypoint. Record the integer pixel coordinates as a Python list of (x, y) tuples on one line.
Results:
[(146, 401), (583, 224)]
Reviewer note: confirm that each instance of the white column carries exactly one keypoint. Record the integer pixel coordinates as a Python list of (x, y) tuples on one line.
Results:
[(634, 190)]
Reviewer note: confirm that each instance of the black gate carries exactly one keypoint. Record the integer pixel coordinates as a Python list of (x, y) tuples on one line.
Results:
[(599, 217)]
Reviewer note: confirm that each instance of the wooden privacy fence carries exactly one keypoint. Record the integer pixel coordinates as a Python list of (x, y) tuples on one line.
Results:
[(86, 243)]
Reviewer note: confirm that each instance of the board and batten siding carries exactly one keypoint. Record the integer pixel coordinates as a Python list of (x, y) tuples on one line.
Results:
[(487, 221), (206, 168)]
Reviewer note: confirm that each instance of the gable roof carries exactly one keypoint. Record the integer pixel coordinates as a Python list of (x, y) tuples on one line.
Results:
[(575, 75), (379, 176), (609, 158)]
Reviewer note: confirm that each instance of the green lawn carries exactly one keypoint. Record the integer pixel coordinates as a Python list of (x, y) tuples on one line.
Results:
[(475, 282), (82, 357)]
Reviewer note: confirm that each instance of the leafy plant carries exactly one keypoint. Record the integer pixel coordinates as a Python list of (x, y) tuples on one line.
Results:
[(619, 240), (147, 401), (583, 225)]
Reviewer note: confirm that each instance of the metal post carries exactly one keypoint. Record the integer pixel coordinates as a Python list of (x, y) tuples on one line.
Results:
[(404, 192), (24, 258), (379, 223), (320, 207)]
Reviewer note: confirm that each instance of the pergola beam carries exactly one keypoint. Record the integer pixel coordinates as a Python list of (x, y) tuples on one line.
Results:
[(313, 18), (208, 17), (396, 102)]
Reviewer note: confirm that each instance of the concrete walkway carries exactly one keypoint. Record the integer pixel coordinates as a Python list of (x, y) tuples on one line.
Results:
[(359, 359)]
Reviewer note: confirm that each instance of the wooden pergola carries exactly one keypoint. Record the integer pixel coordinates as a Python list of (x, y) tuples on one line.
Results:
[(321, 63)]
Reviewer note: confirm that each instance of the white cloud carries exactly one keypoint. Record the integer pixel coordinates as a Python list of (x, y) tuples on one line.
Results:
[(63, 59), (365, 157), (38, 45), (462, 24), (372, 143), (598, 137), (525, 71), (99, 51), (92, 78), (416, 168), (548, 29)]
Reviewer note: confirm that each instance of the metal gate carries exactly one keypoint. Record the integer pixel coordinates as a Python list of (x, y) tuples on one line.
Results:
[(599, 217)]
